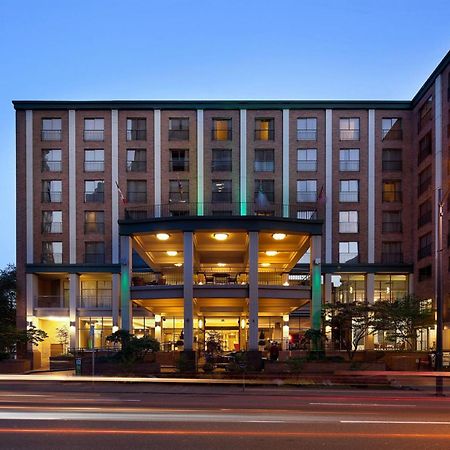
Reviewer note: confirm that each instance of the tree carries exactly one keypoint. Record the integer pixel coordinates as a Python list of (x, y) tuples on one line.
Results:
[(402, 318), (8, 295), (350, 323)]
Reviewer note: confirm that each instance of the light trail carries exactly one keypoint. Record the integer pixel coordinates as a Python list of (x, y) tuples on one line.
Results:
[(362, 404)]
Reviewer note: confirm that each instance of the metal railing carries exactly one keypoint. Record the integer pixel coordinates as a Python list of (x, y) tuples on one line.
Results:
[(349, 135), (94, 227), (50, 135), (136, 197), (179, 165), (348, 227), (390, 134), (264, 135), (307, 197), (392, 166), (51, 166), (93, 302), (221, 165), (306, 135), (51, 197), (51, 227), (136, 135), (391, 258), (51, 258), (391, 227), (221, 135), (178, 135), (349, 166), (93, 135), (94, 258), (94, 197), (94, 166), (349, 196), (51, 301), (392, 196), (136, 166), (209, 209), (264, 166), (306, 166)]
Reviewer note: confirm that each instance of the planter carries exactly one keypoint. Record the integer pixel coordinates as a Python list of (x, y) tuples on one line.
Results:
[(62, 363), (15, 366)]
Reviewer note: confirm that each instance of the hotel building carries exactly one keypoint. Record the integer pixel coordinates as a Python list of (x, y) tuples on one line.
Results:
[(184, 218)]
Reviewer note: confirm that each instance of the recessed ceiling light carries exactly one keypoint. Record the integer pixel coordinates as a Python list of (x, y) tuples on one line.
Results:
[(178, 264), (271, 252), (220, 236), (172, 252), (279, 236), (265, 264), (162, 236), (221, 264)]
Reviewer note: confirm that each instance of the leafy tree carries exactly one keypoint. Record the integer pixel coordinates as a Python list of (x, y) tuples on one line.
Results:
[(402, 318), (350, 324), (8, 295)]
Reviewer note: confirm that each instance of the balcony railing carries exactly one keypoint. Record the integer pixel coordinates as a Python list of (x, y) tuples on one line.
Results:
[(306, 135), (50, 135), (51, 197), (136, 166), (136, 135), (349, 166), (349, 196), (93, 135), (94, 166), (94, 197), (392, 258), (179, 165), (51, 258), (51, 166), (349, 135), (306, 166), (219, 165), (52, 227), (51, 301), (178, 135), (92, 302), (221, 135), (307, 197), (209, 209), (94, 258), (392, 166), (391, 227), (264, 135), (392, 134), (94, 227)]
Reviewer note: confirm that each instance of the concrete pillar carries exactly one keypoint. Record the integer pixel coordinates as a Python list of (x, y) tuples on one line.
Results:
[(285, 340), (370, 298), (188, 288), (74, 295), (126, 267), (316, 286), (115, 300), (158, 327), (411, 284), (327, 288), (253, 305)]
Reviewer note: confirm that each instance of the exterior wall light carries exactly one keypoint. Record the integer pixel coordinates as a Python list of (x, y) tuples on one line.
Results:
[(243, 323), (220, 236), (221, 264), (279, 236), (271, 252), (162, 236), (178, 264), (265, 264), (172, 252), (115, 328), (200, 324)]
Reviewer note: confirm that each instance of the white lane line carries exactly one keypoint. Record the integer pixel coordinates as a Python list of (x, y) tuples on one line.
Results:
[(396, 422), (264, 421), (25, 395), (364, 404)]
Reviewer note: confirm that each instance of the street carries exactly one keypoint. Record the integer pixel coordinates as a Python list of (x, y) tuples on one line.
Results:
[(58, 415)]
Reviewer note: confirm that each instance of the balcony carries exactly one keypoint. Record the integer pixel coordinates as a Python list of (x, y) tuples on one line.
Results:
[(392, 258), (94, 166), (52, 227), (136, 135), (93, 135), (94, 302), (51, 301), (306, 135), (178, 135), (209, 209), (50, 135)]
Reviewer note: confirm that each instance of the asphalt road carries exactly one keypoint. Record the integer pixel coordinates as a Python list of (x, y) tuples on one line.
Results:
[(56, 415)]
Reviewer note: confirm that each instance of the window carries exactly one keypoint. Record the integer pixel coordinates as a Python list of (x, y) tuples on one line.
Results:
[(51, 160), (136, 214), (264, 192), (424, 181), (349, 160), (424, 213), (221, 130), (94, 191), (390, 287), (392, 160), (94, 129), (425, 147), (136, 160), (221, 191), (264, 130), (306, 190), (425, 243), (392, 222), (179, 161), (51, 129), (305, 214), (391, 129), (52, 252), (349, 191), (425, 273), (221, 160), (178, 129), (306, 160), (94, 222), (51, 191), (349, 129), (348, 221), (391, 253), (137, 191), (348, 252), (179, 191), (52, 221), (392, 191), (264, 160), (94, 252), (136, 129), (96, 294), (307, 129), (425, 112), (94, 160)]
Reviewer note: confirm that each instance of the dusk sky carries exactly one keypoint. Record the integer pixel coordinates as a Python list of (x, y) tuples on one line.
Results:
[(197, 49)]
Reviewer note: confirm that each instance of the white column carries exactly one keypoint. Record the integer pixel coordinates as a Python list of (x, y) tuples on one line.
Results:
[(286, 163), (253, 301), (371, 189), (158, 327), (328, 288), (328, 185), (200, 156), (115, 300), (188, 288), (243, 162), (157, 159), (29, 184), (32, 293), (74, 295), (114, 178), (438, 161), (126, 268), (285, 343), (72, 189)]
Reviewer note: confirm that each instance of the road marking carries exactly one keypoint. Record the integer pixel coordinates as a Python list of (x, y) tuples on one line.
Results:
[(264, 421), (363, 404), (397, 422), (24, 395)]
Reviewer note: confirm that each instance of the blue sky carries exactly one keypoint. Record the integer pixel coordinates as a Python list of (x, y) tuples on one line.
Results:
[(197, 49)]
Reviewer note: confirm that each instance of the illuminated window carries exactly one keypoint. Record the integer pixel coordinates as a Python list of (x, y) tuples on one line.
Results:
[(221, 130), (264, 130), (94, 222), (392, 191)]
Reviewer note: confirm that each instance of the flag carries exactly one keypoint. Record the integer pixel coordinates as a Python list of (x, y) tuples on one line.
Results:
[(321, 198), (180, 190), (124, 200)]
